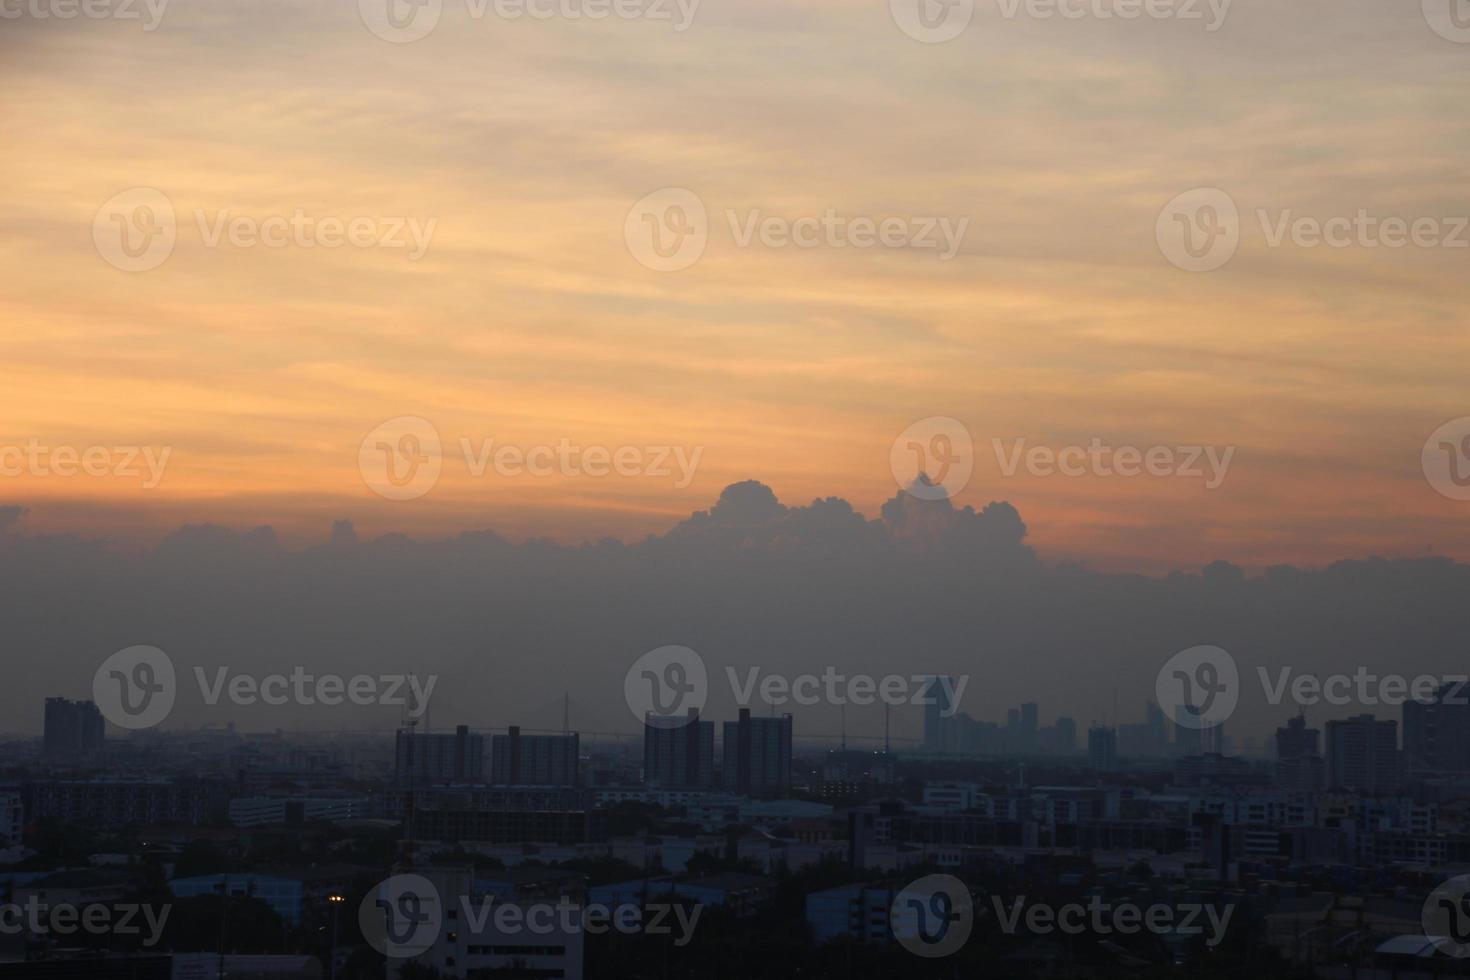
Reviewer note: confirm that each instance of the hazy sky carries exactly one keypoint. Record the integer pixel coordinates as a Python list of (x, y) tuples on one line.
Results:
[(528, 320)]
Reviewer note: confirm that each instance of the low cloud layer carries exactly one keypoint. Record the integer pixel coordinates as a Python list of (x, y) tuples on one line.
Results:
[(749, 582)]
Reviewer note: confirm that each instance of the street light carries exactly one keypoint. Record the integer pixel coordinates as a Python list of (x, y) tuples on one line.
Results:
[(336, 901)]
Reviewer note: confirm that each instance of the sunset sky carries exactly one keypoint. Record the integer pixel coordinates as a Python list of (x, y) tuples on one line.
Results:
[(528, 320)]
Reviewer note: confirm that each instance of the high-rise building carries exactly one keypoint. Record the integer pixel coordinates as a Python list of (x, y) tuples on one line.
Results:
[(1437, 731), (426, 759), (72, 728), (937, 711), (678, 753), (533, 760), (1363, 755), (1102, 748), (1299, 765), (757, 755)]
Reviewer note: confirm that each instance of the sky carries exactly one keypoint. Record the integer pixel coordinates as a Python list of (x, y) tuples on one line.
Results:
[(520, 151)]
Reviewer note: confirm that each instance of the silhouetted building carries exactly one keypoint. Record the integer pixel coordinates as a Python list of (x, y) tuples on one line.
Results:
[(72, 728), (426, 759), (1102, 748), (1437, 732), (678, 753), (757, 755), (1299, 763), (1363, 755), (937, 710), (535, 760)]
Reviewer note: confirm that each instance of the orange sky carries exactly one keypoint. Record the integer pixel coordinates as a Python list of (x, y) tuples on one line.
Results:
[(528, 321)]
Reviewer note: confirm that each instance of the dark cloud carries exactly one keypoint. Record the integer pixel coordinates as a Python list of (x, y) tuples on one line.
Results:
[(750, 583)]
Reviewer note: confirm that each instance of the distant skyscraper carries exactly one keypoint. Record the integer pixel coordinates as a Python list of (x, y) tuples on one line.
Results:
[(1437, 732), (425, 759), (1363, 755), (533, 760), (1102, 748), (72, 728), (1299, 765), (678, 755), (937, 711), (1066, 737), (757, 755)]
